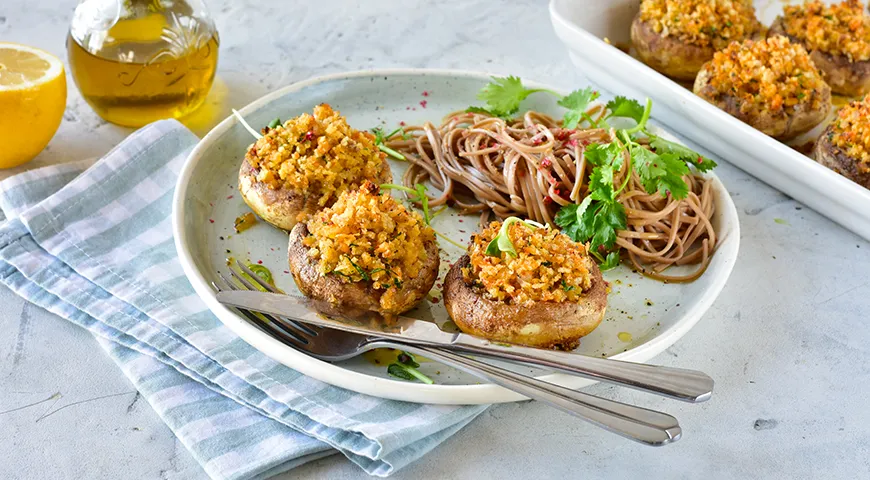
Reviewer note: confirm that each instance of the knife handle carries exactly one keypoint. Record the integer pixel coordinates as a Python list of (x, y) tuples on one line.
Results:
[(636, 423), (681, 384)]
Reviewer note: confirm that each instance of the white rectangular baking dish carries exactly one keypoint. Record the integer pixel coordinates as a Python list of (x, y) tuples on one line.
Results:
[(582, 24)]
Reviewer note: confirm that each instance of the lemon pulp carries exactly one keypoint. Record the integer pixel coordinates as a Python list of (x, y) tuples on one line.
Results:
[(32, 99)]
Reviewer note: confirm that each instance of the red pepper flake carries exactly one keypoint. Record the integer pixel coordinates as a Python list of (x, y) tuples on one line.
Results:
[(552, 180), (309, 135), (572, 142), (546, 163), (402, 124), (210, 204), (435, 299), (230, 197), (548, 200), (211, 220), (286, 271), (425, 93), (585, 142), (700, 159), (407, 108), (461, 220), (259, 262), (562, 134)]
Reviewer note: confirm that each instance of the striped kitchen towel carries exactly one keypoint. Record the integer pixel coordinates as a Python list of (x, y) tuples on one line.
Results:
[(94, 245)]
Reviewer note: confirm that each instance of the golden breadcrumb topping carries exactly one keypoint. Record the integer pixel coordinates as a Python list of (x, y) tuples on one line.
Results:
[(839, 29), (701, 22), (549, 266), (851, 132), (772, 74), (366, 236), (320, 155)]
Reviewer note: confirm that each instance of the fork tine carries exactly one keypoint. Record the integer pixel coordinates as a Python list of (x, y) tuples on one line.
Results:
[(256, 277), (310, 330), (276, 329), (298, 330), (285, 328)]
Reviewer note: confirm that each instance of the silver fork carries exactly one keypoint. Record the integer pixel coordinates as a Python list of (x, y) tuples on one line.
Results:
[(640, 424)]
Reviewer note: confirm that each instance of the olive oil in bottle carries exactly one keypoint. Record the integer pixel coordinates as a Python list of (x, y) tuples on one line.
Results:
[(145, 64)]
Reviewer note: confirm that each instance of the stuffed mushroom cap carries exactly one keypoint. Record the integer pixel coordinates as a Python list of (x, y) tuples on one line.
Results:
[(366, 253), (769, 84), (549, 295), (838, 39), (303, 165), (844, 146), (676, 37)]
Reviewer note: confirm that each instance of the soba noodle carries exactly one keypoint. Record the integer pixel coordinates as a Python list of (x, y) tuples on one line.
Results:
[(530, 167)]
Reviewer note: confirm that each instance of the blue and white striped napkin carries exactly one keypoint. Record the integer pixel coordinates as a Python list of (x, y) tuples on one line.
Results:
[(94, 245)]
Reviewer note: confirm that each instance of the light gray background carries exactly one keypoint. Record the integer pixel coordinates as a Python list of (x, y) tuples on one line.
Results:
[(787, 341)]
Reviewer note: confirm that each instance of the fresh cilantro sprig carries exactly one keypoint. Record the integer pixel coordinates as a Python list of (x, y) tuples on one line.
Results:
[(661, 169), (577, 102), (503, 95), (381, 139), (502, 243), (405, 367)]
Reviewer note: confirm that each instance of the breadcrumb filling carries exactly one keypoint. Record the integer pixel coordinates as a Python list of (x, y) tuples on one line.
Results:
[(839, 29), (366, 236), (772, 74), (549, 266), (701, 22), (318, 154), (851, 132)]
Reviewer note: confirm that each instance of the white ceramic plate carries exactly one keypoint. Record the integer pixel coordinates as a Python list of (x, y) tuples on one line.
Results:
[(206, 203), (583, 25)]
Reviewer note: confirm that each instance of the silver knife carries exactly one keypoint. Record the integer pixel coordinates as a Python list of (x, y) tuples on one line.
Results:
[(681, 384)]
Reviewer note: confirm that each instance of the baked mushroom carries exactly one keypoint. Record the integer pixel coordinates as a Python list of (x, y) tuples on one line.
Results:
[(770, 84), (844, 146), (303, 165), (838, 39), (366, 253), (544, 291), (676, 37)]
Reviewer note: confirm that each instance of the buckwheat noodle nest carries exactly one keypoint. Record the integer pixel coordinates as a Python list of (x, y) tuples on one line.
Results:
[(529, 167)]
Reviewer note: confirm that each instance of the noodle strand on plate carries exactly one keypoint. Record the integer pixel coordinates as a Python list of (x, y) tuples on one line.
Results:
[(530, 167)]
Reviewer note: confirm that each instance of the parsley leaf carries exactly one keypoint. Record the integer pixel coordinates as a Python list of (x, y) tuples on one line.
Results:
[(504, 94), (577, 102), (609, 218), (610, 262), (274, 123), (660, 173), (686, 154), (625, 108), (487, 112)]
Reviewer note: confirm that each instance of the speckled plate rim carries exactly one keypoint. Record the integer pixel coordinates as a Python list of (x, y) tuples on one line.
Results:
[(394, 389)]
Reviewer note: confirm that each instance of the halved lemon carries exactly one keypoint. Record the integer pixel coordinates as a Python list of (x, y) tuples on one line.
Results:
[(32, 101)]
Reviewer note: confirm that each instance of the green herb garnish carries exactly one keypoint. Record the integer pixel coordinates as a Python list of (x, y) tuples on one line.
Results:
[(661, 169), (406, 367), (504, 94), (502, 243), (381, 138), (274, 123), (577, 102), (567, 287), (416, 195)]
